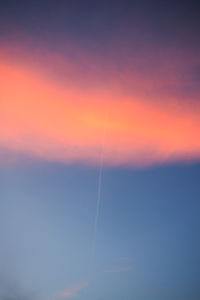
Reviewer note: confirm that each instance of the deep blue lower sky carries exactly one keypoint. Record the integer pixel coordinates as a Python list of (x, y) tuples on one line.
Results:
[(148, 240)]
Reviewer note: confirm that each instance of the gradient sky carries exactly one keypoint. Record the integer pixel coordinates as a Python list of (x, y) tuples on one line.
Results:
[(84, 83)]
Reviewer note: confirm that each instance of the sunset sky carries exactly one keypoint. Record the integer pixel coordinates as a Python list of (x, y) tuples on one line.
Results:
[(99, 150)]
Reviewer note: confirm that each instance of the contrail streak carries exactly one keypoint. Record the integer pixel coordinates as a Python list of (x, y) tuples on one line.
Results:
[(98, 203), (97, 207)]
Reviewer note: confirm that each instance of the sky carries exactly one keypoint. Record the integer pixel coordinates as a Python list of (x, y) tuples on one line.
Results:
[(99, 150)]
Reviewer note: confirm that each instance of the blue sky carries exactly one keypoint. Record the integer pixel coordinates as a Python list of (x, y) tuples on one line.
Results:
[(147, 241)]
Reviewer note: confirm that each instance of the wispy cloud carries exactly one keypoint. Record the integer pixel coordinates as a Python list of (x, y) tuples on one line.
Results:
[(118, 270), (73, 291), (124, 259)]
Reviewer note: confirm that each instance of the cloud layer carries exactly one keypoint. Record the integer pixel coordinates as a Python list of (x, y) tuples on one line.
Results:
[(61, 120)]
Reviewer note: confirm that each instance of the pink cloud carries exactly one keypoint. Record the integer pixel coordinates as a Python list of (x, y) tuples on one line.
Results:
[(44, 118), (73, 291)]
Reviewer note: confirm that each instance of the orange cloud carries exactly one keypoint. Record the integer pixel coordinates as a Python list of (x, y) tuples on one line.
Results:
[(66, 123)]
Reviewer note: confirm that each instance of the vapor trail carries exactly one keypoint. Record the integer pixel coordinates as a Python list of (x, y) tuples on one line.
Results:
[(98, 203)]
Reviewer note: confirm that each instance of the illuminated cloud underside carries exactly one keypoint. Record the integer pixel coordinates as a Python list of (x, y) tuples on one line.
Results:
[(51, 121)]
